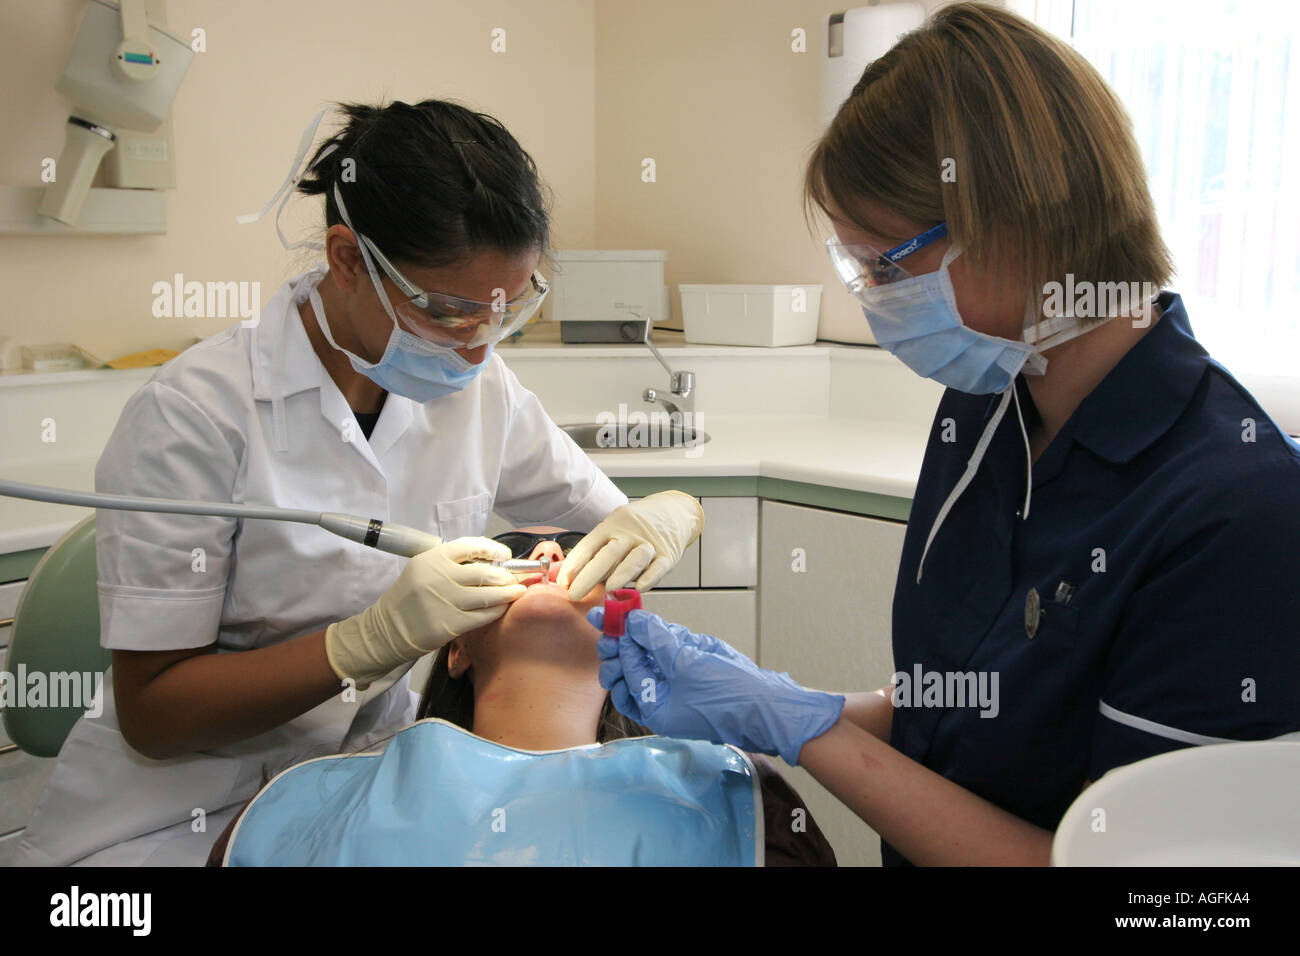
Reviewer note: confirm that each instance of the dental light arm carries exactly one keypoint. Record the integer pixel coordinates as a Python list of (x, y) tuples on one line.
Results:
[(373, 533)]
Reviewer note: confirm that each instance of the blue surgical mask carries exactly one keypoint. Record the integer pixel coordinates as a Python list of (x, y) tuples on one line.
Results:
[(916, 320), (410, 366)]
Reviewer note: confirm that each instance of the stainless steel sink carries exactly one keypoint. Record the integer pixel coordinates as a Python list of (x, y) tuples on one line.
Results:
[(629, 437)]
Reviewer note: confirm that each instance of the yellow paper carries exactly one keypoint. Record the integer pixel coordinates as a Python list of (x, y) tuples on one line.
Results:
[(144, 359)]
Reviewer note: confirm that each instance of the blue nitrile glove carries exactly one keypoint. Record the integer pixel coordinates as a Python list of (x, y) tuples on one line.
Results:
[(681, 684)]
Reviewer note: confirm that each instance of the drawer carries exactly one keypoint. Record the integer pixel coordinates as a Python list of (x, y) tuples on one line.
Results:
[(687, 572), (9, 594), (729, 544), (730, 615)]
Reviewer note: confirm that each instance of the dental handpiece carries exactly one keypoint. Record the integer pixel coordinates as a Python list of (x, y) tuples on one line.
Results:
[(522, 566), (383, 536)]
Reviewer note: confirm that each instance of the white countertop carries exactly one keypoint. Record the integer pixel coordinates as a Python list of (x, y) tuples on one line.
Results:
[(850, 453)]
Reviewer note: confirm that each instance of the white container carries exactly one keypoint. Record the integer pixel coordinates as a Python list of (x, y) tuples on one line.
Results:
[(606, 285), (60, 357), (764, 315)]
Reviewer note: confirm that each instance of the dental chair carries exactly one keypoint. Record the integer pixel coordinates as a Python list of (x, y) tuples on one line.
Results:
[(56, 629), (1230, 804)]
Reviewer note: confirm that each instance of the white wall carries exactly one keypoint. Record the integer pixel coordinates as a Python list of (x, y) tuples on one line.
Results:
[(268, 68)]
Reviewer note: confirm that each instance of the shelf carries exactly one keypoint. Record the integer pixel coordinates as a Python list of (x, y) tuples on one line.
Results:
[(108, 212)]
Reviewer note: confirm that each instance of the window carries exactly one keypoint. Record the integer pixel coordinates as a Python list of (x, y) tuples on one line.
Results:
[(1213, 89)]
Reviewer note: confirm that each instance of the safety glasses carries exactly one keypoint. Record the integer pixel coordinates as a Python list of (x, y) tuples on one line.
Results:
[(860, 265), (450, 320), (522, 543)]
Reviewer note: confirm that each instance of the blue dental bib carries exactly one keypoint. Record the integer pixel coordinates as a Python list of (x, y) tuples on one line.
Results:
[(440, 796)]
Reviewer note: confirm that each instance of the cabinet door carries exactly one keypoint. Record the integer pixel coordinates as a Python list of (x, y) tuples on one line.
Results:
[(9, 595), (729, 543), (826, 587), (729, 614)]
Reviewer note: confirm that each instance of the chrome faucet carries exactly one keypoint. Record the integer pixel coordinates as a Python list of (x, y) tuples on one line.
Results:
[(681, 386)]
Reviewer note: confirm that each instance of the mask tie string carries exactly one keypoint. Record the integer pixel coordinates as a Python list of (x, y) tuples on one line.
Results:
[(971, 467), (285, 189), (1029, 458)]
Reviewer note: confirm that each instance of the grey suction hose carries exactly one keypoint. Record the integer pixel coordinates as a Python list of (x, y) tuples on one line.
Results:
[(393, 538)]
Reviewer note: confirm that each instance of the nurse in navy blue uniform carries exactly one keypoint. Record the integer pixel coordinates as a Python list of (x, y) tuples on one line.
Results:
[(1102, 554)]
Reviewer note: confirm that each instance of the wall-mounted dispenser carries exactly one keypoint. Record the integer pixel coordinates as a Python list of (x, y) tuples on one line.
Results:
[(852, 39), (121, 77)]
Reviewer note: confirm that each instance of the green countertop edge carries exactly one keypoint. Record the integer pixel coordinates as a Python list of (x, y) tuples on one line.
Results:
[(865, 503), (18, 565)]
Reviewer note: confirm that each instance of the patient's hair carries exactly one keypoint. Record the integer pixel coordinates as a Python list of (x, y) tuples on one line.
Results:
[(452, 699)]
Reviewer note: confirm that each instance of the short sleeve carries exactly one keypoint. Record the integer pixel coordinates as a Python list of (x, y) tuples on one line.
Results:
[(1208, 649), (547, 479), (162, 577)]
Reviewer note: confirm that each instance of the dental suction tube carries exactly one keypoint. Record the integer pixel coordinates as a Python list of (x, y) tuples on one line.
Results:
[(373, 533)]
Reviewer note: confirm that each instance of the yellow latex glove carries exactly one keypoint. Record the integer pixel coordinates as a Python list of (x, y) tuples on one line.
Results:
[(636, 545), (436, 597)]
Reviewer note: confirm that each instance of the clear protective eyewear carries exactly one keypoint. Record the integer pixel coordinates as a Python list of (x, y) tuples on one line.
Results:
[(860, 265), (451, 320)]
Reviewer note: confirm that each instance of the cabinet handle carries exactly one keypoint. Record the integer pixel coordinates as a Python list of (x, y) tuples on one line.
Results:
[(6, 622), (8, 749)]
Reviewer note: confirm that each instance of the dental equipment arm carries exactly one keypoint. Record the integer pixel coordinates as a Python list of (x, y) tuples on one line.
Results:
[(172, 703), (373, 533), (521, 566)]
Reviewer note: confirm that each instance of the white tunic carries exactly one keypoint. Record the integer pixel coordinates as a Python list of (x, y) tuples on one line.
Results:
[(204, 427)]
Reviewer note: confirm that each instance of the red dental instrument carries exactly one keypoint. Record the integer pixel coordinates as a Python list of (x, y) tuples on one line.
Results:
[(617, 605)]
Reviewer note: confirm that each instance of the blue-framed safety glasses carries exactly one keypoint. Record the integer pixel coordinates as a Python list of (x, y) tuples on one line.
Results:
[(860, 265)]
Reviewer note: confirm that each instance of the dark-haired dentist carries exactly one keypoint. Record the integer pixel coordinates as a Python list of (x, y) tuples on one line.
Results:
[(238, 645)]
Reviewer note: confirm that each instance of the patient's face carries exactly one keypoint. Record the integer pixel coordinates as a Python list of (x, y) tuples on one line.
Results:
[(543, 627)]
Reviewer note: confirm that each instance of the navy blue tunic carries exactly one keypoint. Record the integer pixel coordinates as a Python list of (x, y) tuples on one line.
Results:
[(1169, 507)]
